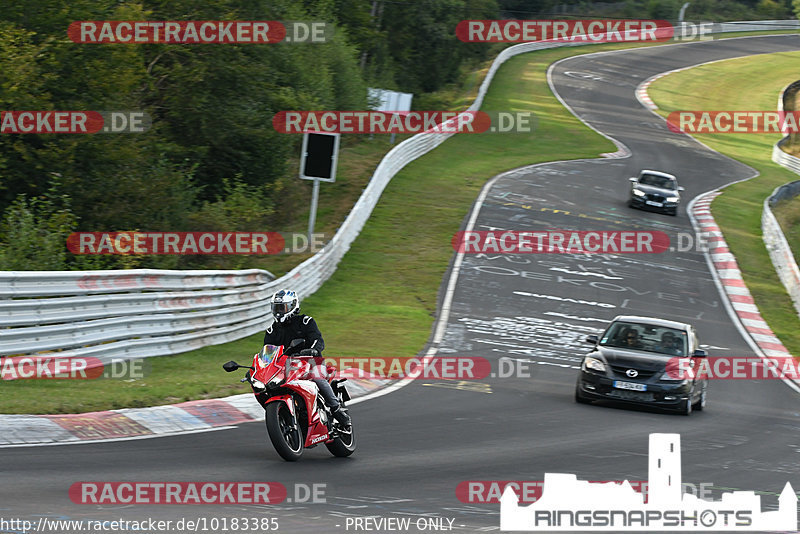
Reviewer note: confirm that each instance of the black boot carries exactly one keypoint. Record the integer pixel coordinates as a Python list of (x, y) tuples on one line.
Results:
[(341, 415)]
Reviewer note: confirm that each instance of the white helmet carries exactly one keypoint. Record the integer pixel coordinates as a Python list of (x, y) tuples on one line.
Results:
[(284, 305)]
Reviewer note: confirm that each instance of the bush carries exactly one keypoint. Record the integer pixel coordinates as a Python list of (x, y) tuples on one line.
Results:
[(34, 233)]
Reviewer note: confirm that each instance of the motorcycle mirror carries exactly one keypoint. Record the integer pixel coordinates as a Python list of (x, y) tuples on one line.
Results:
[(295, 342), (230, 366)]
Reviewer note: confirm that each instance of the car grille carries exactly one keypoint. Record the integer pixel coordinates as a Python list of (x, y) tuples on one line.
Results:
[(641, 396), (655, 198), (619, 370)]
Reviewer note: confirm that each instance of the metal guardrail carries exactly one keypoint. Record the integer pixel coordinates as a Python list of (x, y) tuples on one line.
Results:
[(113, 315)]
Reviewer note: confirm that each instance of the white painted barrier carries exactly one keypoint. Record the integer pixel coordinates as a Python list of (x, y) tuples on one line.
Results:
[(779, 251)]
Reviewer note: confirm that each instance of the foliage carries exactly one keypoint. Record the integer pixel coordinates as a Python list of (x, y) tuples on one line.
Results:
[(34, 232), (212, 144)]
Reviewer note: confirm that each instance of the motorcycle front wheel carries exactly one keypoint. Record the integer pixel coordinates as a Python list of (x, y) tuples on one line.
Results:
[(285, 435)]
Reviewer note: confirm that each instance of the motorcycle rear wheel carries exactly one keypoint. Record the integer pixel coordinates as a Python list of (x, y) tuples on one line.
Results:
[(287, 441), (344, 445)]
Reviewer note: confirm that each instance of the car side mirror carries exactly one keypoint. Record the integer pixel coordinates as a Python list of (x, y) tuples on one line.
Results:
[(633, 179), (593, 339), (681, 188), (230, 366), (700, 353)]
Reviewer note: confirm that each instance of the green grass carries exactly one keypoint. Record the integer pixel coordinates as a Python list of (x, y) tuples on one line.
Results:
[(751, 83), (382, 298)]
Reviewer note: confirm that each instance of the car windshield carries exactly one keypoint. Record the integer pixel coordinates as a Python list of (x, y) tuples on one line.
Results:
[(650, 338), (657, 181), (268, 352)]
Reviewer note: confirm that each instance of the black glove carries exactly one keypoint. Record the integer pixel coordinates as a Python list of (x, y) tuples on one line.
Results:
[(309, 352)]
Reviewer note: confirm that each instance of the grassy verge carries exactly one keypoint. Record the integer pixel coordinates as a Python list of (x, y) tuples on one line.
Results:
[(743, 84), (382, 298)]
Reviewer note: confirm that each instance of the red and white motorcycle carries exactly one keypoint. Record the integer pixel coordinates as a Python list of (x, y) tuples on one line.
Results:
[(296, 414)]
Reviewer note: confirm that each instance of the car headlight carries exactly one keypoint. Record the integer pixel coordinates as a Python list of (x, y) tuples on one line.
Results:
[(672, 377), (638, 193), (594, 364), (673, 199), (679, 371)]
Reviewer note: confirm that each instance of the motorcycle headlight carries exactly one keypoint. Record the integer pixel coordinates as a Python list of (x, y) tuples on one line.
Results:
[(594, 364), (638, 193), (258, 385)]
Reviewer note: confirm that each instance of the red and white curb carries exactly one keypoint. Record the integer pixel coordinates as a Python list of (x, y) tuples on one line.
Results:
[(641, 91), (731, 281), (140, 423), (725, 269)]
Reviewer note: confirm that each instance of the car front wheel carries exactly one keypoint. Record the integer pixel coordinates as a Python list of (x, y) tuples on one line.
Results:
[(579, 398), (686, 408), (701, 402)]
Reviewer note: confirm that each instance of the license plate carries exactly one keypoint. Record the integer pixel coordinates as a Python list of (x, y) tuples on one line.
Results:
[(657, 204), (630, 385)]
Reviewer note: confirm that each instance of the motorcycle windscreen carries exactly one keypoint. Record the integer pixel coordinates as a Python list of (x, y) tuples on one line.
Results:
[(268, 353)]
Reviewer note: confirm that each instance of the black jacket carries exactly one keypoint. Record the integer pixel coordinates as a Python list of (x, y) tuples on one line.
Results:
[(298, 326)]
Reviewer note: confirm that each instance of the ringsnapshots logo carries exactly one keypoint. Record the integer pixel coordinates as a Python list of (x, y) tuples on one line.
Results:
[(569, 504)]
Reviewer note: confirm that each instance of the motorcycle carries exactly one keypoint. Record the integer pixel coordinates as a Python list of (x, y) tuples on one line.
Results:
[(296, 414)]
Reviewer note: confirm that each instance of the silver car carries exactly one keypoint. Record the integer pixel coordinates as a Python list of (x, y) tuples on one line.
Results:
[(655, 190)]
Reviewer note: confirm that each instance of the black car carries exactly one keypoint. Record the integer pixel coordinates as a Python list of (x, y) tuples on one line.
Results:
[(655, 190), (637, 359)]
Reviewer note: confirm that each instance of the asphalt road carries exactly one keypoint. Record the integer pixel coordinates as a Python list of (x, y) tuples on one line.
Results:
[(418, 443)]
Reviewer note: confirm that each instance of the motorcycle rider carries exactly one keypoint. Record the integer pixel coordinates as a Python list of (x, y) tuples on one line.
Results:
[(290, 324)]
